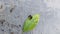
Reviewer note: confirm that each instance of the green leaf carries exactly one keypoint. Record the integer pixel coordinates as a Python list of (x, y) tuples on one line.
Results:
[(30, 22)]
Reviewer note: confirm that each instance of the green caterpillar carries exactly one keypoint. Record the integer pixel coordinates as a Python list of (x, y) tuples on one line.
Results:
[(30, 22)]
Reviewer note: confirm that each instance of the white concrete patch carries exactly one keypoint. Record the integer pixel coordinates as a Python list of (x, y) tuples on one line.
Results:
[(53, 3)]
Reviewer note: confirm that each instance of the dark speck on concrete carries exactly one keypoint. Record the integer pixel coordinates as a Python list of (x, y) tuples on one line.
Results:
[(19, 25), (2, 21), (30, 16), (12, 32), (11, 10), (2, 29), (1, 7)]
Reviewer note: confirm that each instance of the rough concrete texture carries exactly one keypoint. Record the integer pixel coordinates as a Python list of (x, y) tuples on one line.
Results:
[(14, 12)]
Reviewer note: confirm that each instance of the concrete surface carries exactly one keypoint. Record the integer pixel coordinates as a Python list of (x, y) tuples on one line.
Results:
[(14, 12)]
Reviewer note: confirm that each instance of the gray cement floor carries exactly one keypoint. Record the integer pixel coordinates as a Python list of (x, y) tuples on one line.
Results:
[(49, 22)]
